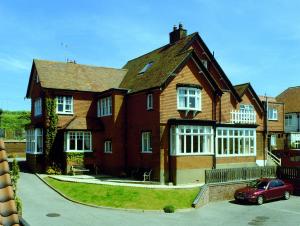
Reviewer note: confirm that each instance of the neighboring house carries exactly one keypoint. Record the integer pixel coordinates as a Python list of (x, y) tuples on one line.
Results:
[(274, 122), (172, 110), (8, 209), (291, 98)]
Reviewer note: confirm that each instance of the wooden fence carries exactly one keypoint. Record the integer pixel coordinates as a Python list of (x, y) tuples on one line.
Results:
[(238, 174)]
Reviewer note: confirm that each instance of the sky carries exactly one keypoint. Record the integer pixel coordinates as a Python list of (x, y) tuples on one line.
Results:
[(255, 41)]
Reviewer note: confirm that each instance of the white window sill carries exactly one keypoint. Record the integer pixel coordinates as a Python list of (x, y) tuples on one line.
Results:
[(77, 151), (146, 152), (34, 153), (108, 152), (65, 113), (191, 154), (100, 116), (272, 119), (235, 155)]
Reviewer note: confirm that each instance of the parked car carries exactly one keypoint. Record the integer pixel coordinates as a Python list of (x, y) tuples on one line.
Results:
[(263, 190)]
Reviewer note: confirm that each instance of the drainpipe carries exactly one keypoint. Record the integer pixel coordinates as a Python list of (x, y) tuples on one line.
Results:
[(266, 130)]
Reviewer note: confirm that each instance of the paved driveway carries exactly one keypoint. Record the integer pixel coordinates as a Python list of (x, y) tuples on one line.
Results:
[(39, 200)]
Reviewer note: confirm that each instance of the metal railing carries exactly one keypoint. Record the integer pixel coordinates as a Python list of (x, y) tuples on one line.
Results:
[(247, 117), (275, 159)]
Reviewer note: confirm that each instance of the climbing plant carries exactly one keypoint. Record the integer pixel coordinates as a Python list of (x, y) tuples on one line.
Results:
[(51, 127)]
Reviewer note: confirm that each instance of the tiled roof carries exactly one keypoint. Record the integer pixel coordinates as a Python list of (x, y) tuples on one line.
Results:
[(78, 77), (241, 88), (291, 99), (164, 61), (8, 210), (80, 123), (270, 99)]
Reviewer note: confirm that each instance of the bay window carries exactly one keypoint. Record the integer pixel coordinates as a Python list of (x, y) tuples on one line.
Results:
[(188, 98), (191, 140), (34, 141), (104, 106), (78, 141), (236, 142)]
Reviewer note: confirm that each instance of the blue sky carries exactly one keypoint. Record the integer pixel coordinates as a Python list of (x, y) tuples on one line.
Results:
[(256, 41)]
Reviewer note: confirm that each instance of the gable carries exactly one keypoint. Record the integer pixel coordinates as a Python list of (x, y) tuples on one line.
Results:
[(291, 99)]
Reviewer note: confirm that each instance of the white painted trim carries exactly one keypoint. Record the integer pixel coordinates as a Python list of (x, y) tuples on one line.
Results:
[(64, 112), (67, 140)]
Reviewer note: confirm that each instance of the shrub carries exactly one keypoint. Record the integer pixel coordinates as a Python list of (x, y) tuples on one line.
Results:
[(53, 170), (19, 205), (169, 209), (15, 174)]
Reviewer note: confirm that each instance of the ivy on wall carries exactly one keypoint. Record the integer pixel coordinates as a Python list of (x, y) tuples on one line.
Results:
[(51, 127)]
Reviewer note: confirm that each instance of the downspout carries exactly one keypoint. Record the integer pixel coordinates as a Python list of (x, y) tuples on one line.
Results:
[(125, 134), (266, 131)]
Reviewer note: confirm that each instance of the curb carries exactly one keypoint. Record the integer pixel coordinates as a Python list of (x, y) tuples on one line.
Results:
[(107, 207)]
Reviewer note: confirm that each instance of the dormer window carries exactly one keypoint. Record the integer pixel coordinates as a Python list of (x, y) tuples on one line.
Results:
[(104, 107), (146, 67)]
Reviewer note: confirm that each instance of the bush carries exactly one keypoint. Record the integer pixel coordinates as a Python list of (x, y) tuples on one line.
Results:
[(169, 209), (19, 205), (53, 170)]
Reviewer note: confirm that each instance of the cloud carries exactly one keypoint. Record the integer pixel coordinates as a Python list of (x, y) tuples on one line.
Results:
[(13, 64)]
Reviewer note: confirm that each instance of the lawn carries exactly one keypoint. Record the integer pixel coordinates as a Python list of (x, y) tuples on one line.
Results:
[(125, 197)]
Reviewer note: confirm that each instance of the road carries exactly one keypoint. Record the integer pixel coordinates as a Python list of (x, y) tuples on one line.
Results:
[(39, 201)]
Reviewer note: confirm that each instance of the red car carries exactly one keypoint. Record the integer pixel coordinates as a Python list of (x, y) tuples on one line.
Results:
[(263, 190)]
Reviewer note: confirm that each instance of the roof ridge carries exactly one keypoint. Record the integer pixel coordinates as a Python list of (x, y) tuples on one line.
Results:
[(161, 47), (85, 65)]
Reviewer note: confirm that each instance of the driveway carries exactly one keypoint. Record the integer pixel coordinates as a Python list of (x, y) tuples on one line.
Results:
[(39, 201)]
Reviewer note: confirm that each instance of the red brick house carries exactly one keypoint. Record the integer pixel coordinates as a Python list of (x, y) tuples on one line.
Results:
[(172, 110)]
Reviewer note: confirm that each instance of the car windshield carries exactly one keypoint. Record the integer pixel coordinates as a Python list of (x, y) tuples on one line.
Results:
[(259, 184)]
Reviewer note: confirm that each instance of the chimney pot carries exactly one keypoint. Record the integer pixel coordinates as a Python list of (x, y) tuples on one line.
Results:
[(177, 34)]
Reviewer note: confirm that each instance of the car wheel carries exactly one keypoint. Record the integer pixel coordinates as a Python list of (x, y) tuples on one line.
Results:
[(260, 200), (286, 195)]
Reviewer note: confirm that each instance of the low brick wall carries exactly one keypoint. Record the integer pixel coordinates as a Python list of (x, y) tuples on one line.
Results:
[(15, 147), (217, 192)]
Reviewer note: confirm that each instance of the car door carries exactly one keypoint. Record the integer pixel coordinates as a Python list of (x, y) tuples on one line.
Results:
[(274, 190)]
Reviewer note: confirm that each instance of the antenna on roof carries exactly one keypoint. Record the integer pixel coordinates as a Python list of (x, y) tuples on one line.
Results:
[(66, 52)]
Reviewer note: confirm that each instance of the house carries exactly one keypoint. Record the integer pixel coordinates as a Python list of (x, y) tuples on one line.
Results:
[(291, 98), (172, 110), (274, 122)]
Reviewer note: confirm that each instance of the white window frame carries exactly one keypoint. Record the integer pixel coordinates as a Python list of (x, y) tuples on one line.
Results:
[(149, 101), (64, 101), (108, 146), (77, 135), (38, 107), (187, 97), (246, 108), (104, 106), (204, 136), (244, 138), (146, 142), (34, 141), (288, 120), (272, 113)]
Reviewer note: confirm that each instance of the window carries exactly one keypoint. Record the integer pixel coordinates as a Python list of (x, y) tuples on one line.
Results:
[(236, 142), (205, 63), (38, 107), (146, 142), (107, 146), (272, 114), (34, 141), (188, 98), (64, 105), (78, 141), (191, 140), (149, 101), (246, 108), (288, 120), (146, 67), (104, 107), (273, 140)]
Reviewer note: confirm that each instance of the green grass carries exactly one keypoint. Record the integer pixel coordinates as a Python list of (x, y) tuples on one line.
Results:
[(125, 197)]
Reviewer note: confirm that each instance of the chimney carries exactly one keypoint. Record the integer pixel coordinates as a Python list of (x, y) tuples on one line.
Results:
[(177, 33)]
